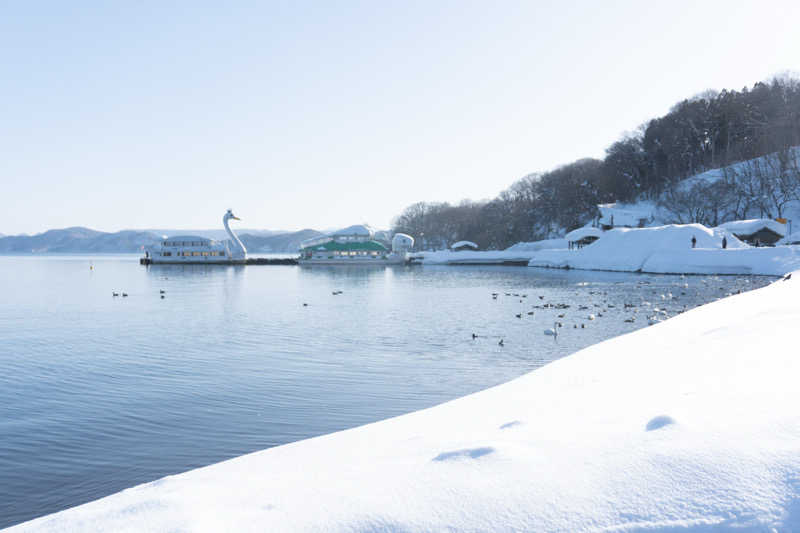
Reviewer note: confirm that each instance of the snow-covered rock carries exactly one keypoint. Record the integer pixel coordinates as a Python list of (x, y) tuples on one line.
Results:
[(690, 425)]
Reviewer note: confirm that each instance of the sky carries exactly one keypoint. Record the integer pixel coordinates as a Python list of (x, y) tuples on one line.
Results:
[(125, 115)]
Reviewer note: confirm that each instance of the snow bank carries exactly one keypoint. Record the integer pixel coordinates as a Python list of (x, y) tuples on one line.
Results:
[(668, 249), (793, 238), (690, 425), (497, 257), (520, 253), (535, 246)]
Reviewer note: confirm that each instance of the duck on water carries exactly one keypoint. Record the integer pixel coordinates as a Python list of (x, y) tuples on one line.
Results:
[(193, 249)]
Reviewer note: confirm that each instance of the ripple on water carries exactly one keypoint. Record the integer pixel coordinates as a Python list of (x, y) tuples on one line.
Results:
[(99, 393)]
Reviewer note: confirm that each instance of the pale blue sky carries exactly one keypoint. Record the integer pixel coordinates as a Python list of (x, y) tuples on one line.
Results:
[(164, 114)]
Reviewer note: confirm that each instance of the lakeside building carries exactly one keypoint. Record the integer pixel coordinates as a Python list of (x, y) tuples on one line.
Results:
[(759, 231), (356, 245)]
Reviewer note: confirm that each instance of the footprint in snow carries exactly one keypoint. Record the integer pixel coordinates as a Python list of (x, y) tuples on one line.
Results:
[(659, 422), (510, 424), (471, 453)]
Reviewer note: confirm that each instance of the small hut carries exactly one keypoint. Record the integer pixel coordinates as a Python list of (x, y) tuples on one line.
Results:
[(464, 246), (758, 231), (578, 238)]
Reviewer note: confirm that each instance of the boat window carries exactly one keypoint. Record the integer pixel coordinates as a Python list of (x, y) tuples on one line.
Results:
[(167, 254), (222, 253)]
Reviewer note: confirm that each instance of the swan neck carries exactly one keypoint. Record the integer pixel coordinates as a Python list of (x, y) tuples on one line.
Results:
[(240, 249)]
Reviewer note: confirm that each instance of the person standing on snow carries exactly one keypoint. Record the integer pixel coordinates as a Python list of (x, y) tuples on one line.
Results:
[(694, 241), (724, 242)]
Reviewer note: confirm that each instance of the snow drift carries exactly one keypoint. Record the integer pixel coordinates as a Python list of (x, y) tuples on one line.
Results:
[(690, 425), (668, 249)]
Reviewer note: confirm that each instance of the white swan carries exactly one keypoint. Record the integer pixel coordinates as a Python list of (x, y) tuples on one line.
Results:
[(553, 331), (237, 250)]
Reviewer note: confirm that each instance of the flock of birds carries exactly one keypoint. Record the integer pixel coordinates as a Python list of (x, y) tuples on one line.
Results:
[(663, 305), (114, 294)]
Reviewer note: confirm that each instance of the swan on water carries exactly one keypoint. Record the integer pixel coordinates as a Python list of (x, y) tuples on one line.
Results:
[(553, 331)]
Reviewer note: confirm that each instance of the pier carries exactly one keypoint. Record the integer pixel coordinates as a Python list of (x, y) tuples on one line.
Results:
[(248, 261)]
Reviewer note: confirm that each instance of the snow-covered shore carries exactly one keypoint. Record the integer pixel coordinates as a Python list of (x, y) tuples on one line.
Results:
[(668, 250), (690, 425), (656, 250)]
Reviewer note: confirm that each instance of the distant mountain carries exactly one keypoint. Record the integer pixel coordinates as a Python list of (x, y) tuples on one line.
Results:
[(85, 240), (78, 240), (280, 243), (216, 234)]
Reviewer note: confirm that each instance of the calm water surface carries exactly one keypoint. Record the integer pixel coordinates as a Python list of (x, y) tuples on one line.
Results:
[(99, 393)]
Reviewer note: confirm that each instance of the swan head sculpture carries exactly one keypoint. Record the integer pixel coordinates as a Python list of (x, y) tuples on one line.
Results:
[(229, 215)]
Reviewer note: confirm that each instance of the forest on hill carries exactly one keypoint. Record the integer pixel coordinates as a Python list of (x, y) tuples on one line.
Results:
[(712, 130)]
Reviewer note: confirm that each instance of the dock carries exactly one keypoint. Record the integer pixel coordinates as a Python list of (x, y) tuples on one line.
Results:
[(248, 261)]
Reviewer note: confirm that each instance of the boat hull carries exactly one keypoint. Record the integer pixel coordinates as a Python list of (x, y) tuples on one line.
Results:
[(396, 260)]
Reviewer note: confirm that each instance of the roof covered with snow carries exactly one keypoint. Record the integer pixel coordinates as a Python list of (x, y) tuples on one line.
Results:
[(748, 227), (358, 230), (617, 214), (460, 244), (582, 233)]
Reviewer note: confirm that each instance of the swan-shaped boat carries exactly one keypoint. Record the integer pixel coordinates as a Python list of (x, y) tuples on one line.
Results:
[(193, 249)]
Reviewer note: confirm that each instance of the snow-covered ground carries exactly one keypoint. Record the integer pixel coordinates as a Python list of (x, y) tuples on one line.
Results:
[(659, 250), (690, 425), (522, 252), (668, 249), (535, 246)]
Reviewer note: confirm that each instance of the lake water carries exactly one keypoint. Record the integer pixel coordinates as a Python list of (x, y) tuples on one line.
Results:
[(99, 393)]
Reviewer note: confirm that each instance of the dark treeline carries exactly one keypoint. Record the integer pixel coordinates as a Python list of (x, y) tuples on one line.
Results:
[(708, 131)]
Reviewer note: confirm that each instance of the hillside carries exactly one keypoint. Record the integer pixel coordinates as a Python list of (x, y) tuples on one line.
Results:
[(280, 243), (762, 187), (77, 239), (85, 240)]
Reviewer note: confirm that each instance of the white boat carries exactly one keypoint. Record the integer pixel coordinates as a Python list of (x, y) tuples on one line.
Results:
[(355, 245), (182, 249)]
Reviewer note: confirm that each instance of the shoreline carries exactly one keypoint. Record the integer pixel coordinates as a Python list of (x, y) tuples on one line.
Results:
[(532, 453)]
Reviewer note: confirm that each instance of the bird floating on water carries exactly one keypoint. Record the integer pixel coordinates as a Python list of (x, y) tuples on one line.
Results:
[(501, 342), (552, 331)]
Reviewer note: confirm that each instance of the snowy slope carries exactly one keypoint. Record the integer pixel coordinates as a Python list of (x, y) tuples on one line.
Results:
[(629, 214), (690, 425)]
